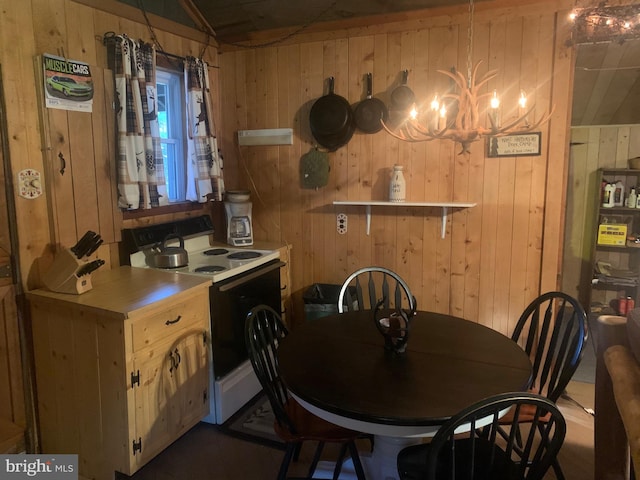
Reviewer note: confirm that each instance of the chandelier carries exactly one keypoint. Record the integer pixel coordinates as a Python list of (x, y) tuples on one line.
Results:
[(457, 115)]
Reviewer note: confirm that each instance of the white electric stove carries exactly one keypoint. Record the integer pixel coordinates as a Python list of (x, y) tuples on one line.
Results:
[(216, 261), (241, 278)]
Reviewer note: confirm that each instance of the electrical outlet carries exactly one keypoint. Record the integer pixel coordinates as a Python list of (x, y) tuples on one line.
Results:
[(342, 223)]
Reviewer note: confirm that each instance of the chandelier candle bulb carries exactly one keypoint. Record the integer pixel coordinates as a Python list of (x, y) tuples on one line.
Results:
[(442, 119), (522, 102), (397, 186), (495, 105), (435, 109)]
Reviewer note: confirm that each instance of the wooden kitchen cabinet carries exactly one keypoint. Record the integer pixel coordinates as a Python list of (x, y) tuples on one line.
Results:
[(121, 371)]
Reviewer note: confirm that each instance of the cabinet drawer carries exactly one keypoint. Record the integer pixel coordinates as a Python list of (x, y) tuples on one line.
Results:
[(170, 321)]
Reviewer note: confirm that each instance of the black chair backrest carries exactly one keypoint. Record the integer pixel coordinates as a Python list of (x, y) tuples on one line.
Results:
[(553, 332), (481, 453), (365, 287), (264, 330)]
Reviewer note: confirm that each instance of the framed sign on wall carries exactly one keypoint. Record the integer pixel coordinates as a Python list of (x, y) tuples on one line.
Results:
[(518, 145)]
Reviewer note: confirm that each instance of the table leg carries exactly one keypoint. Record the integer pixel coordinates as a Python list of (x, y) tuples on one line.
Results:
[(382, 464), (379, 465)]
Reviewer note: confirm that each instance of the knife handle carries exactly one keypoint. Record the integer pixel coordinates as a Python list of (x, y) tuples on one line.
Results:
[(98, 241), (83, 244)]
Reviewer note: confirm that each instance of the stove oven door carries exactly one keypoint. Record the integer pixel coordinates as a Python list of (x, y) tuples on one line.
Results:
[(231, 301)]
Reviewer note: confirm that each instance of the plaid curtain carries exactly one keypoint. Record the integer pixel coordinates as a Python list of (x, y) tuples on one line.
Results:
[(141, 182), (204, 165)]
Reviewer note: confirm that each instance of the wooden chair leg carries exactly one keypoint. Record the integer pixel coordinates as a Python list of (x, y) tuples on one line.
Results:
[(316, 458), (339, 461), (288, 455), (296, 452), (557, 470), (355, 457)]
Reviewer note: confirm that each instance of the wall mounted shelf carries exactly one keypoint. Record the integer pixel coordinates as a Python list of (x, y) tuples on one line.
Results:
[(445, 206)]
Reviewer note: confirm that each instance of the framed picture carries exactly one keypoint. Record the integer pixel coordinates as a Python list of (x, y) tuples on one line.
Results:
[(518, 145)]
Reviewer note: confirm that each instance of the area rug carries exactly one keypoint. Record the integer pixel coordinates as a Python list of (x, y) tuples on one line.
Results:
[(254, 423)]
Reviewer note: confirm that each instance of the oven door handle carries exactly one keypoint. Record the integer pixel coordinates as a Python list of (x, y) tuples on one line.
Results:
[(251, 276)]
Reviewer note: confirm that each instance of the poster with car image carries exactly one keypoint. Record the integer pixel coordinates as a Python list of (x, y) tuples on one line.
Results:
[(67, 84)]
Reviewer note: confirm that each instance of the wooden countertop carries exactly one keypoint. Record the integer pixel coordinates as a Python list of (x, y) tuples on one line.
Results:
[(125, 289)]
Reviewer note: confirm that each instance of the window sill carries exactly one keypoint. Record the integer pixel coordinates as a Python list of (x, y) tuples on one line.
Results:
[(168, 209)]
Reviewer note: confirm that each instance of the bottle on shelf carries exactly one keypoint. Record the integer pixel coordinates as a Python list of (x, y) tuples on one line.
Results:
[(618, 194), (632, 199), (622, 306), (608, 199), (397, 186)]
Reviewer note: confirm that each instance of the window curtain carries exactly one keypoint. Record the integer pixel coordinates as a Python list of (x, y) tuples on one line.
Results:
[(204, 163), (141, 182)]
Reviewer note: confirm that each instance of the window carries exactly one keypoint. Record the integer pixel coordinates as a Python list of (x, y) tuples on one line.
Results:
[(171, 122)]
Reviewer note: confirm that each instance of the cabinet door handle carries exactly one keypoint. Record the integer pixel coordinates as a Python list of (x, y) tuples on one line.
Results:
[(63, 163), (173, 362), (174, 357), (171, 322)]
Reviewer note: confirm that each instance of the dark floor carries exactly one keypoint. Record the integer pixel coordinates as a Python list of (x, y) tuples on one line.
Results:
[(207, 453)]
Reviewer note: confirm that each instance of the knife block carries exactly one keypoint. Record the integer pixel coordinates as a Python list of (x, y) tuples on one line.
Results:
[(63, 277)]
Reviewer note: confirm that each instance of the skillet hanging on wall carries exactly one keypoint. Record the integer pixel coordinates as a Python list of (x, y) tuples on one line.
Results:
[(402, 96), (331, 120), (369, 112)]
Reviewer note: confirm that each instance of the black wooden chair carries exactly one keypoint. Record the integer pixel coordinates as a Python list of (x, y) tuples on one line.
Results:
[(469, 446), (365, 287), (553, 332), (293, 424)]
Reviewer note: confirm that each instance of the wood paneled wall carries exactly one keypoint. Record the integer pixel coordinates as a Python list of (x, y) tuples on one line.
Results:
[(496, 256), (73, 30), (592, 148)]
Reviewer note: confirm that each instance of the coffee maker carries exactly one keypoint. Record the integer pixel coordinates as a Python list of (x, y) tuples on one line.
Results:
[(238, 211)]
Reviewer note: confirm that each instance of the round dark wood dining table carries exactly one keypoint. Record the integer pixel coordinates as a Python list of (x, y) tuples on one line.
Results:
[(337, 367)]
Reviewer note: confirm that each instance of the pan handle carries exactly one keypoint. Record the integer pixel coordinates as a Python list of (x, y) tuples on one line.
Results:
[(369, 85), (331, 85), (405, 76)]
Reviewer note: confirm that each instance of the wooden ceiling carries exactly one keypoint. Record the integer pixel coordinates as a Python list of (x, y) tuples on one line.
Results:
[(607, 84), (607, 76), (233, 19)]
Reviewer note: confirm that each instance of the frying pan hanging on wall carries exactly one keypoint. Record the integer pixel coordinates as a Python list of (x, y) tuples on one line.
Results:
[(402, 96), (371, 112), (331, 120)]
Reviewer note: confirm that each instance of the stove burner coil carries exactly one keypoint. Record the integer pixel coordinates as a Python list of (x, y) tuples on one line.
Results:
[(244, 255), (209, 269), (216, 251)]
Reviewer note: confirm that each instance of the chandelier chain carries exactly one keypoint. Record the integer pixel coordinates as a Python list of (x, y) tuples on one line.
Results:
[(470, 42)]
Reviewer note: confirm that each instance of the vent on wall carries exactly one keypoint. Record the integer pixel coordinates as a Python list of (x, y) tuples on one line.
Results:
[(269, 136)]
